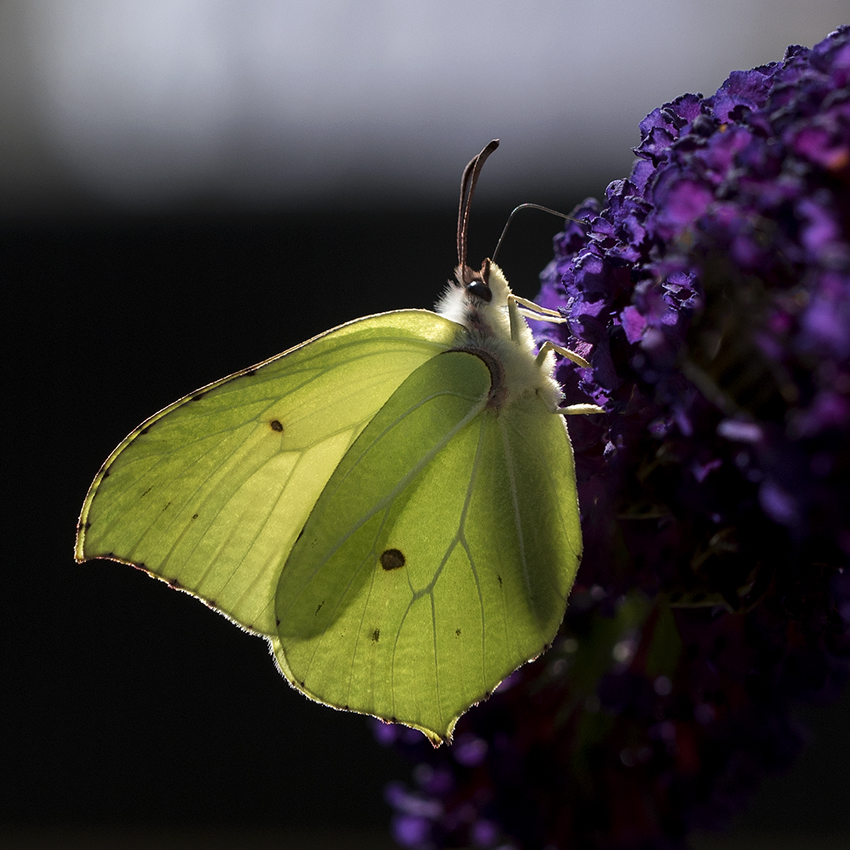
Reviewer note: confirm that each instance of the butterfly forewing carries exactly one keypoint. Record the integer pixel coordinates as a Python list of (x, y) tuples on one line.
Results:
[(211, 493)]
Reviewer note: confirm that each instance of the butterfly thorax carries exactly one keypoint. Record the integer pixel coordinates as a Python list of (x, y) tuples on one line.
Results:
[(486, 332)]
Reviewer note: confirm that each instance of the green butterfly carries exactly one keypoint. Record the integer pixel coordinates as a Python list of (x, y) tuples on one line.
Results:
[(391, 504)]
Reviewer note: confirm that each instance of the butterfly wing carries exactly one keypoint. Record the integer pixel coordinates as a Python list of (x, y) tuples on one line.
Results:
[(438, 558), (211, 492)]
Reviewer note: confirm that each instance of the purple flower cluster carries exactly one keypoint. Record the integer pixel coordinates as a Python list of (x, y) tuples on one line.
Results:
[(711, 295)]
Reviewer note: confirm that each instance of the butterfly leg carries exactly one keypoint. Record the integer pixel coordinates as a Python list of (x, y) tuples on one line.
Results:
[(536, 312), (573, 409), (564, 352), (569, 409)]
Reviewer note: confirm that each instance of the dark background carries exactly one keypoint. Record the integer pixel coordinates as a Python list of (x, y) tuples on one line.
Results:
[(125, 704)]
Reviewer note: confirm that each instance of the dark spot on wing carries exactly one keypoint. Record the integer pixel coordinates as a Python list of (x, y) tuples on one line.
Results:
[(249, 372), (166, 507), (145, 429), (376, 635), (106, 474), (175, 584), (500, 579), (392, 559), (197, 397), (457, 632), (194, 516), (276, 426), (320, 606), (146, 492), (277, 621)]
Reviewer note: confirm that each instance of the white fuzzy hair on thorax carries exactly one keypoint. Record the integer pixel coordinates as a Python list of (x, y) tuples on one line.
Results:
[(487, 326)]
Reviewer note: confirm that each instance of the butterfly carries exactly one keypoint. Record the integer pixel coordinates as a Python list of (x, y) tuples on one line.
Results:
[(391, 504)]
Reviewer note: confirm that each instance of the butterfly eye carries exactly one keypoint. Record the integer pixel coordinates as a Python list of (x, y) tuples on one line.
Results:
[(480, 290), (478, 283)]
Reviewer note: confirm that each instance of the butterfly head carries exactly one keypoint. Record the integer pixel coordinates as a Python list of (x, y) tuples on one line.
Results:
[(474, 295), (475, 284)]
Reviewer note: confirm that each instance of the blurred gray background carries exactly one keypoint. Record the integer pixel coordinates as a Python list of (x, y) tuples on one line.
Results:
[(188, 187), (281, 104)]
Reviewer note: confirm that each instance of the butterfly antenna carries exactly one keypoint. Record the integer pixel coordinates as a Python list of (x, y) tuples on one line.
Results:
[(467, 187), (533, 207)]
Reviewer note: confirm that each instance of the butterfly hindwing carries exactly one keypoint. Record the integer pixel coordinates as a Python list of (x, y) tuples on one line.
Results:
[(422, 578), (211, 492)]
